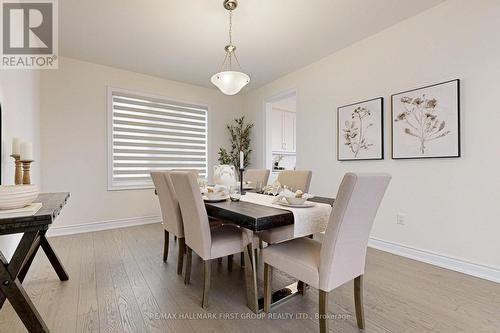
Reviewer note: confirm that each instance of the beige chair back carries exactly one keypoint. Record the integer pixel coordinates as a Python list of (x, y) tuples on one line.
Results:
[(256, 175), (170, 210), (343, 251), (194, 171), (296, 179), (194, 214)]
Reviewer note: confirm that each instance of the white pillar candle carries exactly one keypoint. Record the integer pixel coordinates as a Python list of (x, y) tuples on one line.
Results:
[(26, 151), (16, 146), (242, 160)]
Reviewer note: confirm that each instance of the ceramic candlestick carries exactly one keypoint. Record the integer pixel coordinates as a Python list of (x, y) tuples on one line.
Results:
[(18, 179)]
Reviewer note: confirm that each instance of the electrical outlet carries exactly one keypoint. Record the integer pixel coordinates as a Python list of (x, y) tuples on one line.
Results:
[(401, 219)]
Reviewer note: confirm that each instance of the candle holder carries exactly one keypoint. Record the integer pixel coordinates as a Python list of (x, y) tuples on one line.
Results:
[(26, 171), (241, 181), (18, 179)]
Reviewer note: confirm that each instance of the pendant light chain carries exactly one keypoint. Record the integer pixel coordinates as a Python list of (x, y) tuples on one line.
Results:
[(230, 39), (230, 27)]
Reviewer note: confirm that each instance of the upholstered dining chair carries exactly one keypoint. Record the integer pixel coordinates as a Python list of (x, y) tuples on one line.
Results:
[(171, 214), (207, 243), (341, 256), (294, 179), (256, 175)]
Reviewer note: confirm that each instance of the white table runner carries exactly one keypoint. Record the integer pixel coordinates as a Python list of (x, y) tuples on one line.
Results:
[(307, 221)]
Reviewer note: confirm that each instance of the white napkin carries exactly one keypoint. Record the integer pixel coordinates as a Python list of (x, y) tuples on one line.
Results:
[(222, 189)]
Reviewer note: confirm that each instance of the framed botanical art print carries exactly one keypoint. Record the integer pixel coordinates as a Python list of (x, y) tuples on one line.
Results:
[(426, 122), (360, 131)]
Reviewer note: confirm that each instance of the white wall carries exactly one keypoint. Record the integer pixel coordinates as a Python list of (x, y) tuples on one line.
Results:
[(19, 99), (74, 137), (451, 205)]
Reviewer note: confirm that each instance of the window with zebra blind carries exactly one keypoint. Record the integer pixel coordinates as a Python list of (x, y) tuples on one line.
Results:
[(149, 133)]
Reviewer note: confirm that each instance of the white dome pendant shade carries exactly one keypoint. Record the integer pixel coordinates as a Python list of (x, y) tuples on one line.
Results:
[(230, 82)]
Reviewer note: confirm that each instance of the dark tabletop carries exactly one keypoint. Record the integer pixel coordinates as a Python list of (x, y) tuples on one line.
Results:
[(52, 203), (253, 216)]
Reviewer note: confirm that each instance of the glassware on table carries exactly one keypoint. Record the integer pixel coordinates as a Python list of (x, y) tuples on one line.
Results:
[(235, 193), (258, 187), (202, 183)]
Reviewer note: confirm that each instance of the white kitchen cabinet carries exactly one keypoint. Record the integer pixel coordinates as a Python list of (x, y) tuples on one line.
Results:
[(289, 131), (277, 130), (283, 131)]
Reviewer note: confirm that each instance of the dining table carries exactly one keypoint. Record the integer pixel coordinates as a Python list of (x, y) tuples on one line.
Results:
[(257, 218)]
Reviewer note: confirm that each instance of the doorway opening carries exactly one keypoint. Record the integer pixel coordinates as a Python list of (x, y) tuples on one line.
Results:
[(281, 133)]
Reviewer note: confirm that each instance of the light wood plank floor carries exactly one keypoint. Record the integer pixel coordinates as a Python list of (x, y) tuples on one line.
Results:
[(118, 283)]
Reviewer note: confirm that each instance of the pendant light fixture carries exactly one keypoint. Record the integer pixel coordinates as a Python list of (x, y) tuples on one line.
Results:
[(230, 82)]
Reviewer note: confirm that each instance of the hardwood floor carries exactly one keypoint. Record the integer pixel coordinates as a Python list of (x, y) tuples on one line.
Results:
[(119, 283)]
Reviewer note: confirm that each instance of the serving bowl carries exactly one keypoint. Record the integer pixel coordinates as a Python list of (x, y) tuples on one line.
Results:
[(215, 195), (17, 196), (295, 201)]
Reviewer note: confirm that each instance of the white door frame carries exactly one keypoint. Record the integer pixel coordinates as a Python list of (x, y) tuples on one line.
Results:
[(267, 109)]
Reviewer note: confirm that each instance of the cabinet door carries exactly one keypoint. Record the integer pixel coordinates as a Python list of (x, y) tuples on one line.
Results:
[(289, 131), (277, 130)]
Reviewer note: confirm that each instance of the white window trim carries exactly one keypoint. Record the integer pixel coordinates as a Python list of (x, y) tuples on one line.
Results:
[(109, 91)]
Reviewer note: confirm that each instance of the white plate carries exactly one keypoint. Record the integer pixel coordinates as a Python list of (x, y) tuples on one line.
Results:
[(215, 199), (304, 205)]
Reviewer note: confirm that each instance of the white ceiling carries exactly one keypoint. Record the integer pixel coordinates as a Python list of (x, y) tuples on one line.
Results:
[(184, 40)]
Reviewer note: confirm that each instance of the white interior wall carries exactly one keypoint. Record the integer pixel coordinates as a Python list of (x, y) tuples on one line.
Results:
[(74, 138), (451, 205), (19, 99)]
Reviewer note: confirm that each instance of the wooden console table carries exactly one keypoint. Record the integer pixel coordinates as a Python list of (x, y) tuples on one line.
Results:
[(12, 274)]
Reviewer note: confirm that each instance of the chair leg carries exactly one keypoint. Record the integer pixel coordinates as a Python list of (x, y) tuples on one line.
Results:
[(175, 238), (230, 263), (256, 258), (323, 311), (261, 244), (358, 301), (302, 287), (189, 257), (268, 279), (242, 259), (206, 284), (180, 256), (165, 246)]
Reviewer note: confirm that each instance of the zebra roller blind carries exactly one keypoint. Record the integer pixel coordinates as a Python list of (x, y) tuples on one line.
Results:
[(151, 133)]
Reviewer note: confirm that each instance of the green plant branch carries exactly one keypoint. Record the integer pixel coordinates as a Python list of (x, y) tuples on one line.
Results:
[(239, 137)]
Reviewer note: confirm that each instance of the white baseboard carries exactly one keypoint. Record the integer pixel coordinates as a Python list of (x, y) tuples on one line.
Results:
[(103, 225), (462, 266)]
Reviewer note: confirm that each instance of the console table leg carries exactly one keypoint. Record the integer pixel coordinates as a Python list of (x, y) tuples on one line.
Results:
[(29, 259), (18, 258), (12, 289), (53, 258)]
